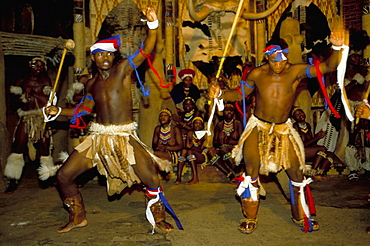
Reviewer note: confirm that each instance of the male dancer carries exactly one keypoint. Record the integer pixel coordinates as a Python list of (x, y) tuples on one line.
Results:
[(269, 143), (113, 145)]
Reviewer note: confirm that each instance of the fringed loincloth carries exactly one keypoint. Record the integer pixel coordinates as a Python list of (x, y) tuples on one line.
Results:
[(273, 145), (109, 149), (34, 124)]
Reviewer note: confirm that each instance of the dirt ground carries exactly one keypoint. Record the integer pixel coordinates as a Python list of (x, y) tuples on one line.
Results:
[(209, 212)]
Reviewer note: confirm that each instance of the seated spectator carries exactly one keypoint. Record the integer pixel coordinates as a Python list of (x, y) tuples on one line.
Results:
[(184, 119), (186, 88), (167, 139), (320, 157), (226, 134), (363, 111), (194, 151)]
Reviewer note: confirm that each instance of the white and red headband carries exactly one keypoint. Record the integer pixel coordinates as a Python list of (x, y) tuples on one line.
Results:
[(110, 44)]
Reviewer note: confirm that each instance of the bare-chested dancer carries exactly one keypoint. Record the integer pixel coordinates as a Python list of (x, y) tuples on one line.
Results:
[(30, 133), (269, 143), (113, 145)]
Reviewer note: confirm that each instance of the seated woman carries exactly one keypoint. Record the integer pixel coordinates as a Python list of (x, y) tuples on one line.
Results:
[(184, 120), (226, 134), (194, 151), (167, 139), (320, 157)]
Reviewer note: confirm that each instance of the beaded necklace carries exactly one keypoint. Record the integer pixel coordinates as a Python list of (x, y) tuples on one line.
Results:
[(165, 134), (303, 127), (228, 127), (189, 116), (195, 140)]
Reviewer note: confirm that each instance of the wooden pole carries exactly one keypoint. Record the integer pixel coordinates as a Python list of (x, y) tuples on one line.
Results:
[(213, 104), (70, 44), (240, 8)]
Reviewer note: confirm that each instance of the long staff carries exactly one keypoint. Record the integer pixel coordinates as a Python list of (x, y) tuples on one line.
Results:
[(215, 101), (69, 45), (237, 16)]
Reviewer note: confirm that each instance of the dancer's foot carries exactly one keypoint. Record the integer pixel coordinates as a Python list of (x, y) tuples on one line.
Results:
[(300, 223), (321, 178), (231, 177), (12, 187), (177, 181), (164, 225), (353, 177), (192, 181), (248, 226), (69, 226)]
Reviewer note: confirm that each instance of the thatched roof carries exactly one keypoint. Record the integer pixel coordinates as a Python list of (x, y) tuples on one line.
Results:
[(29, 45)]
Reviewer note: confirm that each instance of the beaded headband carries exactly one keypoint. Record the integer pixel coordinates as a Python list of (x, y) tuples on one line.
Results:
[(295, 109), (197, 118), (166, 110)]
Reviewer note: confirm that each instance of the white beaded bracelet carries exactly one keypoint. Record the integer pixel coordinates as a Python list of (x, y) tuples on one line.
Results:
[(152, 24), (334, 47)]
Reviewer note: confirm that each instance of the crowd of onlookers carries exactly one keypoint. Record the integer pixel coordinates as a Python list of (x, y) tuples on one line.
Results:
[(182, 137)]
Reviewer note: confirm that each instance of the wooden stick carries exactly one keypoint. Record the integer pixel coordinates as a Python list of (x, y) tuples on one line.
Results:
[(212, 105), (58, 75), (240, 7), (70, 44)]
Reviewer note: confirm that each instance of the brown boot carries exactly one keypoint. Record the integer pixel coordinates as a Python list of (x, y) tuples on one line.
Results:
[(77, 215), (250, 210), (159, 213)]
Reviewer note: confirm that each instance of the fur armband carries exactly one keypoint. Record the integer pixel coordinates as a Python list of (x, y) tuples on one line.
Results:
[(367, 78), (78, 86), (346, 82), (46, 90), (359, 78), (25, 99), (17, 90)]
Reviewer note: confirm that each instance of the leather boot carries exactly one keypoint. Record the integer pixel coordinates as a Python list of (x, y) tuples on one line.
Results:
[(250, 210), (77, 215), (159, 213)]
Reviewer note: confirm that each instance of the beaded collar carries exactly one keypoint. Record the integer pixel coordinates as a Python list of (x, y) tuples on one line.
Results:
[(165, 134), (303, 127)]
